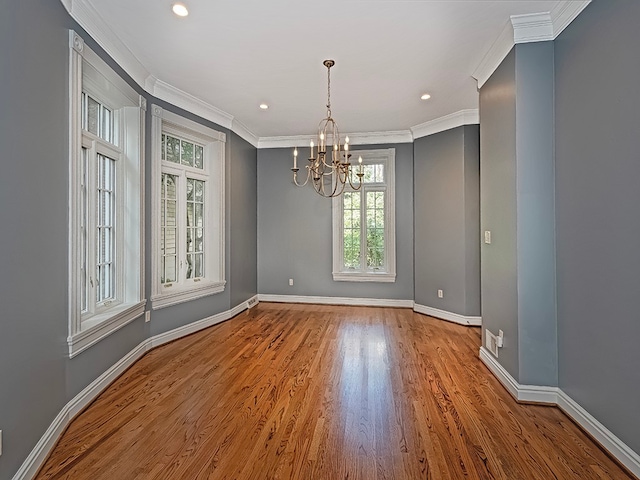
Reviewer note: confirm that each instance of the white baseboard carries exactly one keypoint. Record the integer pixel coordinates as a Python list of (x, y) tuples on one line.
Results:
[(522, 393), (449, 316), (556, 397), (620, 450), (363, 302), (194, 327), (38, 455)]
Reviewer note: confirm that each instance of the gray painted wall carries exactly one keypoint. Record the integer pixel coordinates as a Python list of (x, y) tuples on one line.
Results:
[(294, 232), (243, 268), (517, 185), (498, 209), (598, 225), (36, 376), (447, 220), (537, 335)]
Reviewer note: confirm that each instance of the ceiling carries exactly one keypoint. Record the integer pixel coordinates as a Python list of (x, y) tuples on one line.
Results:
[(233, 55)]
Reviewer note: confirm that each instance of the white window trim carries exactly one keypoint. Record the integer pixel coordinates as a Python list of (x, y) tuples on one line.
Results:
[(214, 147), (84, 334), (386, 156)]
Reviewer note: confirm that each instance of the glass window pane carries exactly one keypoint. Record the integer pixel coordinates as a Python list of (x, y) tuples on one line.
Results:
[(186, 153), (107, 125), (170, 269), (190, 189), (189, 266), (199, 184), (198, 266), (199, 217), (199, 157), (164, 141), (173, 149), (93, 115)]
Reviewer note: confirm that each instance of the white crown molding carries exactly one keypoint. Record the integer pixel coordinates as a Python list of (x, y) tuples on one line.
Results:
[(453, 120), (169, 93), (557, 397), (535, 27), (87, 16), (362, 302), (363, 138), (449, 316), (565, 12), (40, 452), (495, 55), (241, 130)]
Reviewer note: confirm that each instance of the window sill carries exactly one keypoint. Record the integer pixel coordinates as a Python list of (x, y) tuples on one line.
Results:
[(364, 277), (186, 294), (103, 325)]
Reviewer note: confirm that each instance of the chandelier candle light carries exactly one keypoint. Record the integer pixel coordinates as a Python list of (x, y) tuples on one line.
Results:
[(329, 173)]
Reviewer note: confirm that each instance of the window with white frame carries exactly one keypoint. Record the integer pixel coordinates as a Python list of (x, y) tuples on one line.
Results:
[(364, 222), (188, 209), (106, 227)]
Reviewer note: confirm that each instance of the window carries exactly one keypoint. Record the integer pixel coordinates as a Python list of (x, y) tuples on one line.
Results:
[(106, 253), (364, 222), (188, 209)]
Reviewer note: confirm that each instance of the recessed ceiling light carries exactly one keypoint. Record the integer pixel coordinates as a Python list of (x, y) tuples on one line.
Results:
[(264, 106), (180, 10), (426, 96)]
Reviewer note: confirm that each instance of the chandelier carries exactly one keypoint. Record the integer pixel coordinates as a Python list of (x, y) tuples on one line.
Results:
[(329, 169)]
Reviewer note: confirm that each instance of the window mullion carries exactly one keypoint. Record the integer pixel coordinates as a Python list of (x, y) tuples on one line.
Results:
[(92, 210)]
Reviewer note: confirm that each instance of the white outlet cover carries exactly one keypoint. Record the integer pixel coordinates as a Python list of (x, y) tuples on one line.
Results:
[(487, 236), (491, 343)]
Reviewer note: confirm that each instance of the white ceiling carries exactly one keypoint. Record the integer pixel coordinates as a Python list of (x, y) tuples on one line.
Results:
[(235, 54)]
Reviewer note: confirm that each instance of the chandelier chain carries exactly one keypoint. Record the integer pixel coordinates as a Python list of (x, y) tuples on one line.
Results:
[(329, 91)]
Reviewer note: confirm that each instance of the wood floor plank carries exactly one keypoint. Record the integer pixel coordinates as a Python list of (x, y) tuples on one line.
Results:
[(286, 391)]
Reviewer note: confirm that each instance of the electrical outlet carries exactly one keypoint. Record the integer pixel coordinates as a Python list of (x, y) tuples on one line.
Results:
[(487, 237), (147, 316), (440, 294), (491, 343), (500, 339), (291, 282)]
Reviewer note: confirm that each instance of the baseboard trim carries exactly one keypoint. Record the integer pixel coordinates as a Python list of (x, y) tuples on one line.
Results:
[(198, 325), (556, 397), (601, 434), (362, 302), (40, 452), (449, 316), (522, 393)]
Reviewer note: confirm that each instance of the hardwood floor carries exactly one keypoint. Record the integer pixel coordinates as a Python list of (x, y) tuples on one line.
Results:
[(321, 392)]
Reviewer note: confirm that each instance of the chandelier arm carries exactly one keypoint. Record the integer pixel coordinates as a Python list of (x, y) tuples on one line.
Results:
[(295, 177)]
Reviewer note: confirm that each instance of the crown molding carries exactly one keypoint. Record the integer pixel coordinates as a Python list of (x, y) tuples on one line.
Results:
[(453, 120), (363, 138), (535, 27), (242, 131), (566, 12), (169, 93), (90, 20), (495, 55)]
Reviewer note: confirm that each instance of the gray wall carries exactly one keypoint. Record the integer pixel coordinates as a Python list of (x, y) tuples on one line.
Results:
[(243, 269), (598, 225), (294, 232), (498, 209), (535, 215), (36, 376), (447, 220), (517, 185)]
